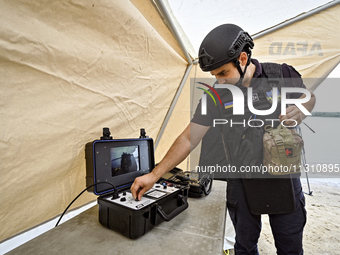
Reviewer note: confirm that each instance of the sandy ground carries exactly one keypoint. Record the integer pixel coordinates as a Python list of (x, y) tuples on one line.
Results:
[(322, 231)]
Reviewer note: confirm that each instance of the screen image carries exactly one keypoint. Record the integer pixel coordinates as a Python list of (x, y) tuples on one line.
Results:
[(124, 160)]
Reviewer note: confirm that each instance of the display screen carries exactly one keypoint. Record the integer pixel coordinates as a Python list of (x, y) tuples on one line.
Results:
[(124, 160)]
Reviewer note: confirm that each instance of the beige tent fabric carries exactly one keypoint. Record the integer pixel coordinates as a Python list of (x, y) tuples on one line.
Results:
[(180, 119), (68, 69), (148, 9), (311, 45)]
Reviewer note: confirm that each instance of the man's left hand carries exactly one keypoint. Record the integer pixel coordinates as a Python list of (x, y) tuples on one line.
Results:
[(292, 113)]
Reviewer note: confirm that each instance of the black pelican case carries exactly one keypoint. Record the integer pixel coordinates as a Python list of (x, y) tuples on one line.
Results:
[(111, 166)]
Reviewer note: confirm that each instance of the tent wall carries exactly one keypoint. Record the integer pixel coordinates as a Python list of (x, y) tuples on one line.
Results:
[(150, 12), (180, 119), (68, 69), (311, 45)]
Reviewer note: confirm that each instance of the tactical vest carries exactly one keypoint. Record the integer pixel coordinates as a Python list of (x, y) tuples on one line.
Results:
[(262, 100), (264, 194)]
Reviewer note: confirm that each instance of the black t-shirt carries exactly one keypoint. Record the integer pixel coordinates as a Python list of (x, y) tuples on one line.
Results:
[(291, 79)]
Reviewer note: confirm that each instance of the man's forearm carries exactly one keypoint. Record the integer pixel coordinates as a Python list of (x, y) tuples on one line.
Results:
[(180, 149), (176, 154)]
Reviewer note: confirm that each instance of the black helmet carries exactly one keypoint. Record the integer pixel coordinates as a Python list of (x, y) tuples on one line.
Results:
[(222, 45)]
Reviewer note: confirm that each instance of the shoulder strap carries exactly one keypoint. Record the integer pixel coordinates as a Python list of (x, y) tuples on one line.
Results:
[(274, 73)]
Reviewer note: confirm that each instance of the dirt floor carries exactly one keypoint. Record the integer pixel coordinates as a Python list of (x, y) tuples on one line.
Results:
[(322, 231)]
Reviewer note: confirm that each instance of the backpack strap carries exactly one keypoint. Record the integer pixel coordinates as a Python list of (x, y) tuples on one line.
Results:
[(274, 73)]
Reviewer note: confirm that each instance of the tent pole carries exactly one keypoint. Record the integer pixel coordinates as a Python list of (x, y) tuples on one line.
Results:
[(173, 104), (296, 19), (166, 15), (163, 10)]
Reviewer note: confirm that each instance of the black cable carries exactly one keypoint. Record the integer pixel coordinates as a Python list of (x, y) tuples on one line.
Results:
[(115, 195)]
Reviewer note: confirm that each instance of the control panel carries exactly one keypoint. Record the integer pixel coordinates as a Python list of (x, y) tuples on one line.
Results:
[(158, 191)]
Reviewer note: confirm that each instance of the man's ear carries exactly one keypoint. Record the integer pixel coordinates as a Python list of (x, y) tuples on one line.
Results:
[(243, 58)]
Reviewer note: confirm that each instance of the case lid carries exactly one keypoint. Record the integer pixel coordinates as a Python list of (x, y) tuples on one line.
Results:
[(119, 161)]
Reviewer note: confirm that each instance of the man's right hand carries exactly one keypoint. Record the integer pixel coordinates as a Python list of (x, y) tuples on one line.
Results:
[(142, 184), (176, 154)]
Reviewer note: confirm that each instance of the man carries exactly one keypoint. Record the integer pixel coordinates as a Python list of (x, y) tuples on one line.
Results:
[(226, 54)]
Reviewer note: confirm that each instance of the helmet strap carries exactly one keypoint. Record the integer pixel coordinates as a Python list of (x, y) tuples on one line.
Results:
[(242, 73)]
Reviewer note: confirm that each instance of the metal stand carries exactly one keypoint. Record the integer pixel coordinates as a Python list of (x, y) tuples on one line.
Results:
[(310, 193)]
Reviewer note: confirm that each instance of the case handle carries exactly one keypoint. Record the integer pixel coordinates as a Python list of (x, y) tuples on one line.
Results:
[(174, 213)]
